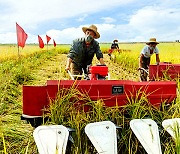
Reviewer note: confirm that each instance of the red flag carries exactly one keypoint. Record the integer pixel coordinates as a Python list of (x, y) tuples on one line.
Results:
[(48, 38), (54, 43), (21, 36), (41, 43)]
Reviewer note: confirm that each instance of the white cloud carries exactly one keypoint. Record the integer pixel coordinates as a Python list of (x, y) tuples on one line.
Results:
[(82, 18), (161, 21), (33, 12), (108, 33), (108, 19), (154, 17), (8, 37), (156, 21), (66, 35)]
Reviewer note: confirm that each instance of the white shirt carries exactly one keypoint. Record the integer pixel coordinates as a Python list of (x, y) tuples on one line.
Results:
[(146, 51)]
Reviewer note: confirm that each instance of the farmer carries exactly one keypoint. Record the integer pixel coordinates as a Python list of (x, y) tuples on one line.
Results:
[(114, 46), (82, 51), (145, 56)]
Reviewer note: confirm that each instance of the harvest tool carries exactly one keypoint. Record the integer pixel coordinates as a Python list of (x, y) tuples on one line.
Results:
[(103, 136), (98, 72), (112, 92), (51, 139), (164, 70), (146, 130), (172, 126)]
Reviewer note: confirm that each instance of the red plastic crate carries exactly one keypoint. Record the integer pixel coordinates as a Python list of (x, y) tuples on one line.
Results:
[(101, 70), (98, 72)]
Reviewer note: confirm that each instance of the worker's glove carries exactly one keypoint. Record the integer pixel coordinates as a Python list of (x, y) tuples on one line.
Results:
[(143, 69), (67, 69)]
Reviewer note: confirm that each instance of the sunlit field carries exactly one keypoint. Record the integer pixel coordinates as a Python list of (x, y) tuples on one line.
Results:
[(169, 52), (12, 52), (33, 66)]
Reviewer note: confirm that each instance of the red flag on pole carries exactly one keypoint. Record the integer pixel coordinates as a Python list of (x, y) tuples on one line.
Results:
[(48, 38), (21, 36), (41, 43), (54, 43)]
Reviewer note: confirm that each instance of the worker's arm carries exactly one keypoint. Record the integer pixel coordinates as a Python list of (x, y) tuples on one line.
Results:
[(101, 61), (69, 61), (140, 61), (157, 59), (117, 47)]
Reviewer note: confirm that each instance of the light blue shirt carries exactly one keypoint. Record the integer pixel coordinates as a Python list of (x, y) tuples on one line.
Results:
[(146, 51)]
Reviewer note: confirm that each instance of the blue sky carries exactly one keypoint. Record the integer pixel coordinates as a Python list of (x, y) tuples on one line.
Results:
[(62, 20)]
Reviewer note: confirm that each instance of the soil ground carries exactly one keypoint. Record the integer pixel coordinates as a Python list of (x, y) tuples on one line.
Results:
[(54, 69)]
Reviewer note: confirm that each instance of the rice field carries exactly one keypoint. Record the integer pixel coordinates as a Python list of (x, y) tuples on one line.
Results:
[(12, 51), (34, 66), (169, 52)]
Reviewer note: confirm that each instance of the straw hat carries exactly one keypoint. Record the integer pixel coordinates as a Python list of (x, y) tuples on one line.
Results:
[(152, 40), (93, 28)]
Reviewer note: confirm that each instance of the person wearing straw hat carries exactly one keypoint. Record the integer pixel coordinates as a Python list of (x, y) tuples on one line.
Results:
[(114, 46), (83, 50), (145, 56)]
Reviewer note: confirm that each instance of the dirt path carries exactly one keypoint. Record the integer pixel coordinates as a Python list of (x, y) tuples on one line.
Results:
[(54, 69), (117, 72)]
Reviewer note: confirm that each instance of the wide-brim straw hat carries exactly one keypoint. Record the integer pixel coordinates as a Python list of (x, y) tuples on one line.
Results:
[(94, 29), (152, 40)]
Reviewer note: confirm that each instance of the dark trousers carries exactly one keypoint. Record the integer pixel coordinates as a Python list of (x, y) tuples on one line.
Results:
[(145, 65), (77, 70)]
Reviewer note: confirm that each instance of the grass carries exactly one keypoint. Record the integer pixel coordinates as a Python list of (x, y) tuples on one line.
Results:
[(15, 73), (16, 136)]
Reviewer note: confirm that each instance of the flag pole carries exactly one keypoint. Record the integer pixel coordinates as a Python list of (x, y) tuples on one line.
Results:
[(48, 39), (17, 40), (18, 52)]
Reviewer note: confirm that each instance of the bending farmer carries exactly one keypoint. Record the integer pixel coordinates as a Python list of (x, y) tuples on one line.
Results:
[(114, 46), (145, 56)]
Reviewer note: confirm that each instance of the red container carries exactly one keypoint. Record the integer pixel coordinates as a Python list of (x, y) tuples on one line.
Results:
[(112, 92), (164, 70), (98, 71), (101, 70)]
